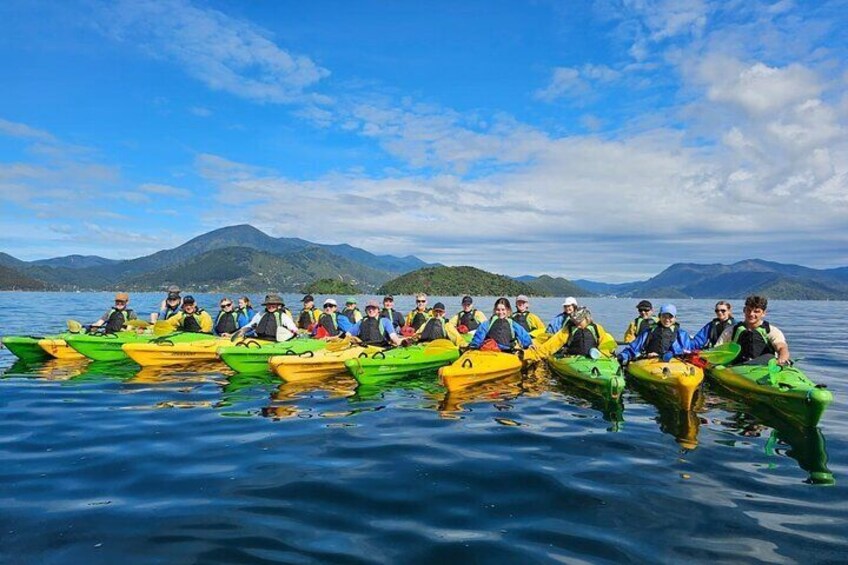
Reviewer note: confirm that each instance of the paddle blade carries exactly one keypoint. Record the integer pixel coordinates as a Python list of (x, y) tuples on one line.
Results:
[(162, 327), (338, 344), (138, 324), (74, 327), (722, 354), (438, 346)]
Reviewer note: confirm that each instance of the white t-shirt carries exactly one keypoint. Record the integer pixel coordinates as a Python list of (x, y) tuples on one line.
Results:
[(775, 336)]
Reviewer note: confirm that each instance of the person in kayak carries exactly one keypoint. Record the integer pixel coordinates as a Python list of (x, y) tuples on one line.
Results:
[(578, 338), (245, 308), (374, 328), (309, 314), (191, 318), (351, 312), (330, 324), (760, 340), (437, 327), (169, 307), (564, 317), (469, 318), (644, 321), (272, 324), (665, 340), (229, 320), (389, 312), (709, 334), (116, 317), (420, 314), (524, 317), (501, 329)]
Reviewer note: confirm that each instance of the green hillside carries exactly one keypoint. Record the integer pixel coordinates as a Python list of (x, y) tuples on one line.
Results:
[(11, 279), (547, 285), (331, 286), (457, 281)]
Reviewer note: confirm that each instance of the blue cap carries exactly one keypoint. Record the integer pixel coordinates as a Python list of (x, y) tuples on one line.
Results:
[(668, 309)]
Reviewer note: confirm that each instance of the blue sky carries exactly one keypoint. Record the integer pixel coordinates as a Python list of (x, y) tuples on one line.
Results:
[(599, 140)]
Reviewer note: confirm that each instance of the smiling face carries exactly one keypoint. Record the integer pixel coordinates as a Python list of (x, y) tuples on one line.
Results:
[(754, 316), (569, 309), (501, 311), (666, 320), (722, 311), (372, 311), (522, 306)]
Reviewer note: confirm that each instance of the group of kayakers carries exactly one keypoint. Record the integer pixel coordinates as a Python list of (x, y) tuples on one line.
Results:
[(571, 332)]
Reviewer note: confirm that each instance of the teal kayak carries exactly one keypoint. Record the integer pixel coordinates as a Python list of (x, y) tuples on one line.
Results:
[(251, 355), (786, 390), (25, 347), (402, 361), (108, 347), (603, 376)]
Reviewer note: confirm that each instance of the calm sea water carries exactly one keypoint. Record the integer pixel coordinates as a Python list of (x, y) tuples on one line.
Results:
[(105, 463)]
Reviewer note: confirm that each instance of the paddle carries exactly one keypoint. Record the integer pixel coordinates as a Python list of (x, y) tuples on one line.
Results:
[(162, 327), (142, 324), (74, 327), (721, 354), (439, 346), (335, 345)]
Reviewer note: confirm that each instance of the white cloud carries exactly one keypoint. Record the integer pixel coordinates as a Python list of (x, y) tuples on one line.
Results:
[(224, 53), (200, 111), (576, 83), (15, 129), (165, 190)]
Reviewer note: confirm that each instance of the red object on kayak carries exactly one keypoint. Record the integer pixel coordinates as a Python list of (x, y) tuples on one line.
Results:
[(463, 329), (490, 345), (321, 332), (407, 331)]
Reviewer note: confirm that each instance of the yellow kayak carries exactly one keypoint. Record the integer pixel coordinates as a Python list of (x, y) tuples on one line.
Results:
[(476, 366), (166, 352), (316, 364), (676, 378), (59, 349)]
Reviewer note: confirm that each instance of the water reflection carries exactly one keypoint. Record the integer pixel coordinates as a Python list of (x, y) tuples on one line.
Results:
[(496, 392), (683, 425), (49, 369), (611, 409), (296, 399)]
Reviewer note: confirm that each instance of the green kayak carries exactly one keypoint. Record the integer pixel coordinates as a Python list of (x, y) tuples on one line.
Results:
[(786, 390), (107, 347), (603, 376), (25, 347), (393, 363), (251, 355)]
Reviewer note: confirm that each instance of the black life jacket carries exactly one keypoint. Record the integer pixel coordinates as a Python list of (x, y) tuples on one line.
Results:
[(371, 331), (520, 318), (644, 324), (268, 324), (394, 316), (500, 330), (350, 314), (717, 328), (116, 320), (433, 329), (191, 322), (418, 319), (468, 320), (329, 323), (581, 340), (226, 322), (753, 342), (661, 339)]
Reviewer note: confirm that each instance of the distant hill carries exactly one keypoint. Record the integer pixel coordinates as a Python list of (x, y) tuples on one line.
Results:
[(457, 281), (607, 289), (549, 286), (11, 279), (75, 261), (331, 286)]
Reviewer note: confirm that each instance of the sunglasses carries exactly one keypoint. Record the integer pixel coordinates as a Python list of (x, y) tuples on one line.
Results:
[(421, 301), (226, 305), (720, 310), (120, 302), (643, 310)]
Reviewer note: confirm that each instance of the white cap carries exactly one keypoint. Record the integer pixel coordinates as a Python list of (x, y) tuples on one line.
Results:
[(570, 301), (330, 301)]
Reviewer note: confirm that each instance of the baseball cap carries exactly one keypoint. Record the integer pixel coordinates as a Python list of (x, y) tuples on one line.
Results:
[(467, 300), (388, 297), (570, 301), (372, 304), (439, 306), (644, 304), (173, 289), (308, 298), (521, 298), (189, 299), (668, 309), (350, 300), (330, 301)]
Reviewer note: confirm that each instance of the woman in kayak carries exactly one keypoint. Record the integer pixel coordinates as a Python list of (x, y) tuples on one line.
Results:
[(760, 341), (420, 314), (374, 329), (169, 307), (330, 324), (563, 318), (191, 318), (578, 338), (273, 324), (525, 318), (501, 329), (469, 318), (245, 308), (709, 334), (229, 320), (666, 340), (644, 321), (437, 328)]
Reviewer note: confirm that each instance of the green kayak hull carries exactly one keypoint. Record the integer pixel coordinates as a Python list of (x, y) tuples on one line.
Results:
[(399, 362), (252, 355), (107, 347), (25, 347), (602, 376), (787, 390)]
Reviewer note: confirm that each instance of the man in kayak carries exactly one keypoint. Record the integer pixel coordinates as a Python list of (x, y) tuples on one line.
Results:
[(116, 317), (469, 318), (191, 318), (169, 307), (374, 328), (708, 335), (330, 324), (644, 321), (524, 317), (420, 314), (578, 338), (437, 328), (564, 317), (229, 320), (272, 324), (351, 312), (501, 329), (389, 312), (665, 340), (309, 314), (760, 340)]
